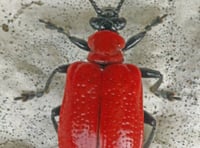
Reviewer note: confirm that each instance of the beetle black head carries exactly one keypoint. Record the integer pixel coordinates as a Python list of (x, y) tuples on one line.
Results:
[(107, 18)]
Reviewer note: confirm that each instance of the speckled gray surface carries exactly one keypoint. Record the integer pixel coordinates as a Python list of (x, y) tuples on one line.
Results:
[(29, 52)]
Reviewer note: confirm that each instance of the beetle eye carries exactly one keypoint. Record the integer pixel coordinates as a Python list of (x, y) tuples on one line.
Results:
[(119, 23)]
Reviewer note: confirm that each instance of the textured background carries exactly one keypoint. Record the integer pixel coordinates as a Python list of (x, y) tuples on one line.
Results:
[(29, 52)]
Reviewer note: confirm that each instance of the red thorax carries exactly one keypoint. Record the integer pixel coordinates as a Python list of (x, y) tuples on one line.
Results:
[(106, 47)]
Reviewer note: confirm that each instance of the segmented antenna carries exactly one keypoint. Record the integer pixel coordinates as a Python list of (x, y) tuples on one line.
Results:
[(96, 8), (119, 6)]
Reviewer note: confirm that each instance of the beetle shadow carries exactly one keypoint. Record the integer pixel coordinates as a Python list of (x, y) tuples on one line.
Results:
[(16, 143), (69, 19), (21, 143)]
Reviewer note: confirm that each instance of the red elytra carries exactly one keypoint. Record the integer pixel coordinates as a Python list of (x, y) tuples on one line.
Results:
[(102, 105)]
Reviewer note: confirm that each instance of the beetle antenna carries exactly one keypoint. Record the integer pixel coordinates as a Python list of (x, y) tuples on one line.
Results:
[(119, 6), (96, 8)]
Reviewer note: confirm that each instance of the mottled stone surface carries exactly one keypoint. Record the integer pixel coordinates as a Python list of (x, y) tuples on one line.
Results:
[(29, 52)]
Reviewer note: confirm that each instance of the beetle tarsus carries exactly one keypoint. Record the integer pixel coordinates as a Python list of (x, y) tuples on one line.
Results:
[(52, 26), (155, 22), (169, 95), (28, 95), (150, 73)]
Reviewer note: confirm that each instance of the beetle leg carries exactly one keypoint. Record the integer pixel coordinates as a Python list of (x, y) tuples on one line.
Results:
[(134, 40), (155, 22), (119, 6), (81, 43), (149, 73), (150, 121), (55, 112), (27, 95)]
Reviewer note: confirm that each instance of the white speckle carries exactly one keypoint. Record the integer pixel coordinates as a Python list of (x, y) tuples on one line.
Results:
[(83, 85), (124, 98), (82, 96)]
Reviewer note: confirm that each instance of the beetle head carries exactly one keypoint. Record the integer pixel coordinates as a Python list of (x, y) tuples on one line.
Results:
[(107, 18)]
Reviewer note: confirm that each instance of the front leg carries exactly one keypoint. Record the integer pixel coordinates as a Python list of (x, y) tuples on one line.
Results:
[(149, 73), (27, 95), (81, 43), (134, 40)]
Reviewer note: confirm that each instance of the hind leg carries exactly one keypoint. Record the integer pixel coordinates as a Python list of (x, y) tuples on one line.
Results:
[(149, 121), (54, 113)]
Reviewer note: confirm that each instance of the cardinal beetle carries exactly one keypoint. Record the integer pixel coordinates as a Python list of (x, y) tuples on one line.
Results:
[(102, 105)]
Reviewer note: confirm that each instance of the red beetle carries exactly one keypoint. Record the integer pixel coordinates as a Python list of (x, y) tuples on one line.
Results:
[(102, 105)]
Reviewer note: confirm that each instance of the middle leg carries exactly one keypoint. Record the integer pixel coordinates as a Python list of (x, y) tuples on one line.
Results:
[(150, 73), (28, 95)]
